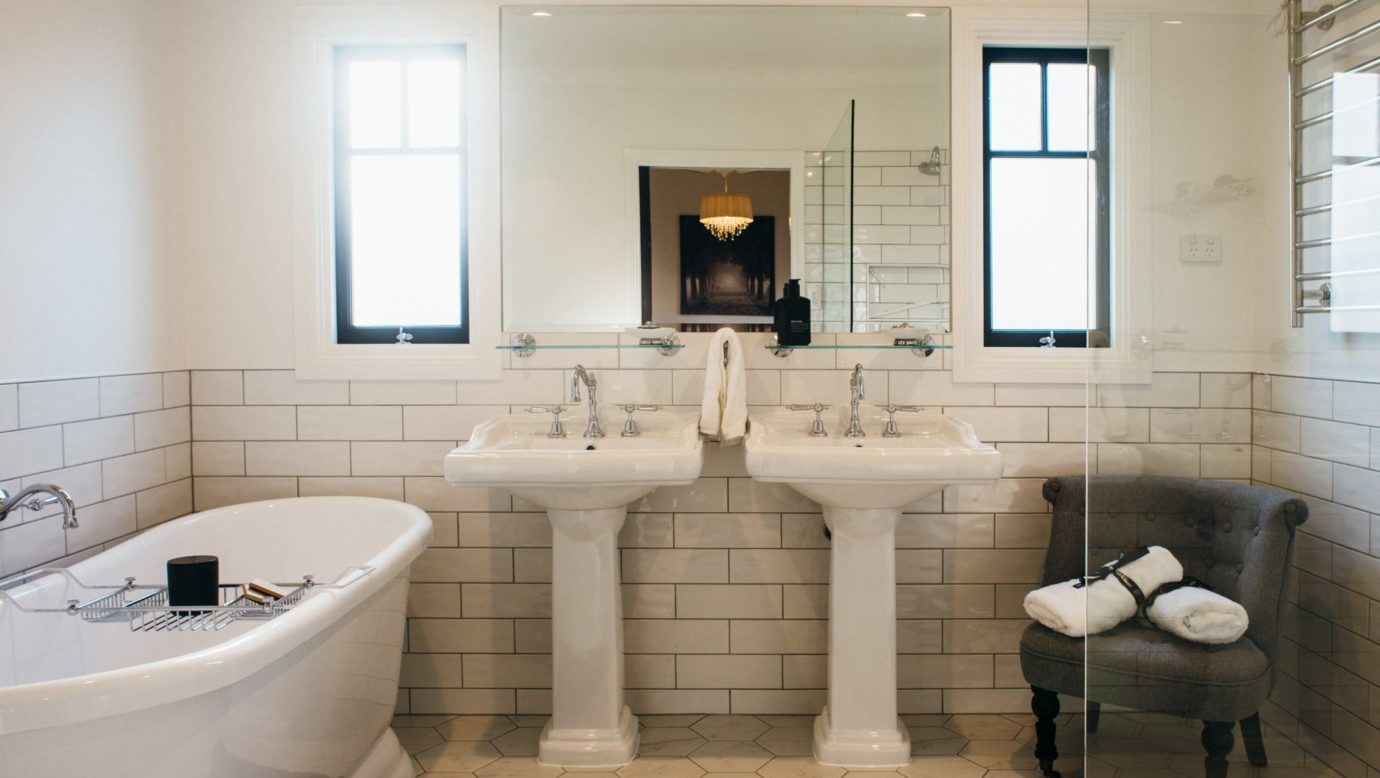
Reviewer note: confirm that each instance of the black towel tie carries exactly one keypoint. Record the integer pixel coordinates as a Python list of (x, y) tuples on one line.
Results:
[(1143, 612)]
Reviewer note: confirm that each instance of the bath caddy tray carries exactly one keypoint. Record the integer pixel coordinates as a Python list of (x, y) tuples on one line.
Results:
[(145, 608)]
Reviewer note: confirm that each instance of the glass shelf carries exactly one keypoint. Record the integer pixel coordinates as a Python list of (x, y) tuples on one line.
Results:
[(552, 346), (873, 346), (524, 345), (921, 348)]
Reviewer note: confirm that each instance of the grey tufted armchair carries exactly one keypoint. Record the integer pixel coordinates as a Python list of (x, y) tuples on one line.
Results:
[(1237, 539)]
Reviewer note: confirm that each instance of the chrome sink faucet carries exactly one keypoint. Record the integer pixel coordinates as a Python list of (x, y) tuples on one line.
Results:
[(28, 498), (857, 395), (592, 384)]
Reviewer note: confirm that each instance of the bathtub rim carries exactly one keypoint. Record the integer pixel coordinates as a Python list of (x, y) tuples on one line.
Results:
[(72, 700)]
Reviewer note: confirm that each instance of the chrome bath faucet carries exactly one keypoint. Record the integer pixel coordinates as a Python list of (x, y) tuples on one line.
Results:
[(592, 384), (29, 498), (855, 386)]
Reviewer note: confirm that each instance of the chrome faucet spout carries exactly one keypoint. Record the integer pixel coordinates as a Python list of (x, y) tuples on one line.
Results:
[(580, 373), (858, 394), (32, 498)]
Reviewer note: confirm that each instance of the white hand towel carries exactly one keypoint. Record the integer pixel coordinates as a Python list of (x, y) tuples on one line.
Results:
[(1199, 615), (1078, 611), (723, 410)]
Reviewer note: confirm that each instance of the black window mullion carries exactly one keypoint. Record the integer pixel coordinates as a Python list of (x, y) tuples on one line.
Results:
[(1102, 251), (346, 331)]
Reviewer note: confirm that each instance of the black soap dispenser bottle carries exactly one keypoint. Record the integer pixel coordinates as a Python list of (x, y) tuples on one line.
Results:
[(792, 316)]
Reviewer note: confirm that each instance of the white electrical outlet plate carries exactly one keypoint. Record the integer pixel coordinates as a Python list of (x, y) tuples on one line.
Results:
[(1200, 248)]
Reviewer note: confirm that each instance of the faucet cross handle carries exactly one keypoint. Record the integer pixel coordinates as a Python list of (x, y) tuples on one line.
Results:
[(557, 429), (817, 428), (630, 427), (892, 431)]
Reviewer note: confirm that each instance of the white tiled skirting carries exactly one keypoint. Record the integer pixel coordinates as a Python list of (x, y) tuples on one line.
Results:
[(726, 580)]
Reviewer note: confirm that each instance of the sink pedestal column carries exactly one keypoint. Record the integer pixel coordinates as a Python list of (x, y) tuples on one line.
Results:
[(590, 725), (859, 726)]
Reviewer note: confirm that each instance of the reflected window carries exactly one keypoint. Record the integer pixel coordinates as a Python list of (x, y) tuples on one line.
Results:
[(1047, 193), (400, 231)]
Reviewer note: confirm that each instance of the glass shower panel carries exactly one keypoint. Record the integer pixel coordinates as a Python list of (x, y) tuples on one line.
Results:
[(829, 233), (1219, 438)]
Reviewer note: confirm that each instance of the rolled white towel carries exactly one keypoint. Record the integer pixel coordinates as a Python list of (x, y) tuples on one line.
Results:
[(1199, 615), (1079, 611)]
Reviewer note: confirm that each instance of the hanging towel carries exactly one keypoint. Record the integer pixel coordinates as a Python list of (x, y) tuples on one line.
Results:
[(1102, 600), (723, 411), (1192, 611)]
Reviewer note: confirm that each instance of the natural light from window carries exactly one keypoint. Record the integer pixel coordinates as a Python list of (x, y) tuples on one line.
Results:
[(403, 173)]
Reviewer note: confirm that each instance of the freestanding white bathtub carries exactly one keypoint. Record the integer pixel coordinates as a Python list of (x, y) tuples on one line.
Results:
[(309, 693)]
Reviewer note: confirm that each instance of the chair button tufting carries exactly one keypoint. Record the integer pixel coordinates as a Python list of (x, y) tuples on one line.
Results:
[(1240, 569), (1226, 527), (1209, 563)]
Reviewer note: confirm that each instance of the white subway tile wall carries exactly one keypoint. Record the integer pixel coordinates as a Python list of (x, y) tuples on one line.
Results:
[(120, 444), (725, 581), (1321, 440)]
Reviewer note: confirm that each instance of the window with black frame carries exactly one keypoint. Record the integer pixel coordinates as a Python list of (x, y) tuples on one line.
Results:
[(1047, 253), (399, 165)]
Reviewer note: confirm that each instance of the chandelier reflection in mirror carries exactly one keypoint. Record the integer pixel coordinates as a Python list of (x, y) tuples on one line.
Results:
[(725, 214)]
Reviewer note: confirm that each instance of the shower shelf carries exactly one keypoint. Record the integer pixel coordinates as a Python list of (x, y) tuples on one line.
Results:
[(923, 347), (525, 345), (145, 607)]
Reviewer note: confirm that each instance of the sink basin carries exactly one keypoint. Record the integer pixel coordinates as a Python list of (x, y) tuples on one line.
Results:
[(862, 484), (933, 451), (585, 485), (574, 472)]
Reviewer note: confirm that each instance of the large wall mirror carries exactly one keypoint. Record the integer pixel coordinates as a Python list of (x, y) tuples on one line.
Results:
[(637, 141)]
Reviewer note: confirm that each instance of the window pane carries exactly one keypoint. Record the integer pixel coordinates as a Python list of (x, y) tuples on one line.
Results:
[(433, 103), (1014, 106), (1070, 95), (405, 240), (375, 105), (1039, 244)]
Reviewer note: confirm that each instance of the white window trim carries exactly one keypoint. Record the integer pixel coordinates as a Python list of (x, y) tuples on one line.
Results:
[(316, 31), (1129, 359)]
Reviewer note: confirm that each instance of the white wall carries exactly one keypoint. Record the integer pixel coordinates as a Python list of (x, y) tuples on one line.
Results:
[(89, 286)]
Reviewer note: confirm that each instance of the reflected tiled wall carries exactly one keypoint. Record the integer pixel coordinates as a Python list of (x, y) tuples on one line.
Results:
[(118, 444), (1321, 440), (901, 236), (725, 581)]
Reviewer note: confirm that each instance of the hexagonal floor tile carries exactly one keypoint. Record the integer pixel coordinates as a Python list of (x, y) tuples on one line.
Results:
[(419, 720), (730, 756), (789, 741), (669, 719), (475, 727), (668, 741), (938, 746), (517, 767), (730, 727), (528, 720), (1000, 754), (661, 767), (983, 726), (518, 742), (942, 767), (458, 757), (798, 767), (417, 739), (789, 721)]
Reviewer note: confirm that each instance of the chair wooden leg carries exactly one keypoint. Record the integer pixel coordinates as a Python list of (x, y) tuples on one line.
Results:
[(1045, 705), (1218, 742), (1254, 741), (1094, 714)]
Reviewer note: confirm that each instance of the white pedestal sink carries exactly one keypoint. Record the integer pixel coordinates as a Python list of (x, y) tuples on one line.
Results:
[(862, 484), (585, 485)]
